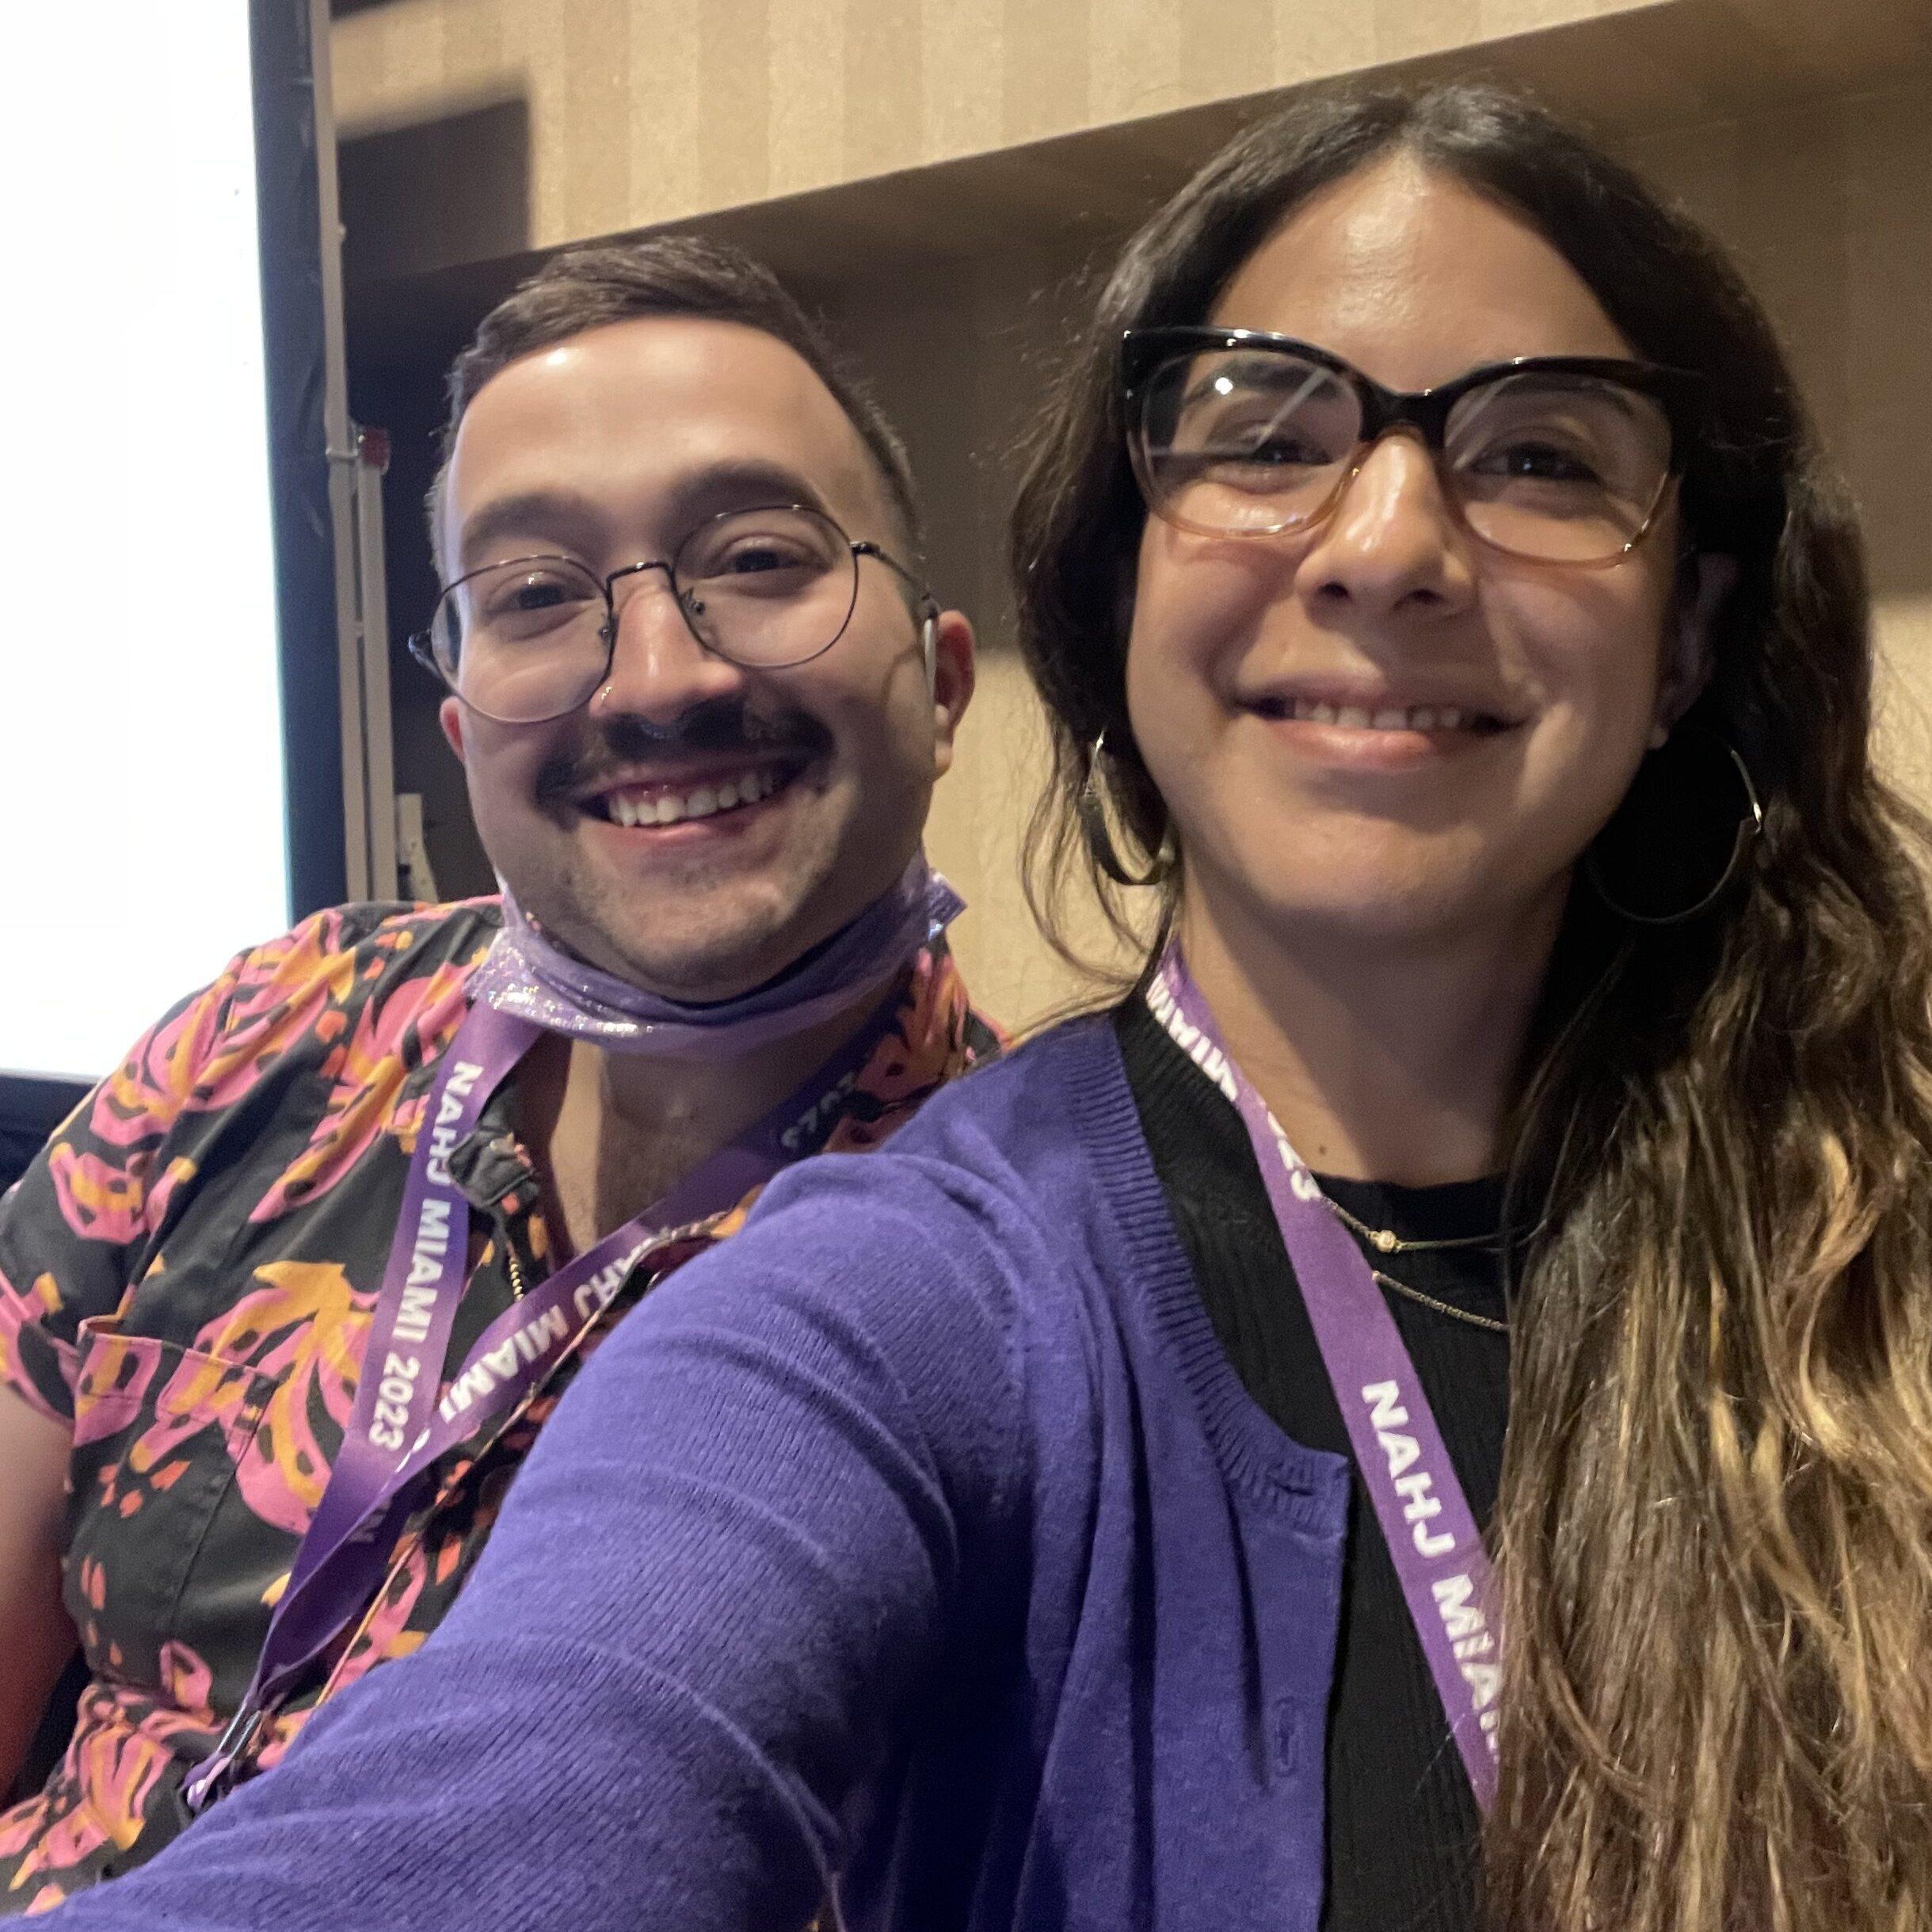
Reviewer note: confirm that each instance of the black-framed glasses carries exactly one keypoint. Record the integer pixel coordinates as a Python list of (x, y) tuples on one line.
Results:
[(1558, 458), (530, 638)]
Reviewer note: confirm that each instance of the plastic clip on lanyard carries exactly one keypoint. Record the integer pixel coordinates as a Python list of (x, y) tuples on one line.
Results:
[(397, 1428), (1439, 1559)]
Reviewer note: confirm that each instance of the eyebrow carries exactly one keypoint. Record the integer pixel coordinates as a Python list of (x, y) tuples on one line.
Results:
[(1271, 359), (544, 515), (1627, 400), (576, 522), (1317, 375)]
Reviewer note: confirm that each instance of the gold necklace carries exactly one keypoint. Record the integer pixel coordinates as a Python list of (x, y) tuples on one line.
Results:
[(1385, 1241), (1442, 1308)]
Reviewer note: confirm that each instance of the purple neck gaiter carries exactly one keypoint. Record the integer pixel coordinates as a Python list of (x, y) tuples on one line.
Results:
[(526, 973)]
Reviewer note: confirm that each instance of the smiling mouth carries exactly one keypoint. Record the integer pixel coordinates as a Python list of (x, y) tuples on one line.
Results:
[(660, 802), (1420, 717)]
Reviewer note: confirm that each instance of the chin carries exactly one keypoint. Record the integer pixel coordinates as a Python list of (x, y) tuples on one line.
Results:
[(697, 942), (1385, 919), (1353, 900), (720, 959), (704, 972), (1441, 906)]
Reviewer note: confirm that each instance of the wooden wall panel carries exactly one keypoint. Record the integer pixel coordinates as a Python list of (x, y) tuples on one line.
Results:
[(647, 111)]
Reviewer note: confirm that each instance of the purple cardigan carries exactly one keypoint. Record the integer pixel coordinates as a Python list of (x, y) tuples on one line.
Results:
[(921, 1534)]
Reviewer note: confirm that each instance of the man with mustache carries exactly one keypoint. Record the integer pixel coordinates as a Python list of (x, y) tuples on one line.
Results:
[(283, 1305)]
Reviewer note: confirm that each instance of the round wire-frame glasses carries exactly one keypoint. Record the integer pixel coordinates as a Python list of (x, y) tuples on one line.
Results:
[(1554, 459), (530, 638)]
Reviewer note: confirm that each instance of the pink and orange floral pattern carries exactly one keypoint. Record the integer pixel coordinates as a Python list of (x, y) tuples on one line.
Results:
[(187, 1277)]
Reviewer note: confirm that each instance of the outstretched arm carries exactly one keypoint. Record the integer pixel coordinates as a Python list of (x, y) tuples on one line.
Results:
[(694, 1628)]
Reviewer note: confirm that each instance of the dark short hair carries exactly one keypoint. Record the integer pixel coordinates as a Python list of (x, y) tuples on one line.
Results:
[(675, 275)]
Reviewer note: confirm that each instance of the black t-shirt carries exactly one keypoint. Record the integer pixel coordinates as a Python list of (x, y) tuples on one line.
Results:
[(1401, 1821)]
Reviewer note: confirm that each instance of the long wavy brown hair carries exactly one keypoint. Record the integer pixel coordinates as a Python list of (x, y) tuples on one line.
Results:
[(1714, 1534)]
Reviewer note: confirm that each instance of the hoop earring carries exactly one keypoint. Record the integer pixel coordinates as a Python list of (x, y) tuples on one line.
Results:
[(1749, 829), (1091, 809)]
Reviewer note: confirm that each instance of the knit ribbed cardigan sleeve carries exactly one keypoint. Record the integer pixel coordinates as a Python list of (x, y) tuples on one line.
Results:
[(714, 1588)]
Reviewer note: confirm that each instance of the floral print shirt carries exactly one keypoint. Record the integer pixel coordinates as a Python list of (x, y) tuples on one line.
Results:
[(187, 1277)]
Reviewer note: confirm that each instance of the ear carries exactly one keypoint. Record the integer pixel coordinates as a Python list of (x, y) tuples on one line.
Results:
[(1704, 583), (449, 715), (949, 635)]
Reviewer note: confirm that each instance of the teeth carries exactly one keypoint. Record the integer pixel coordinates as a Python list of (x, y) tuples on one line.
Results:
[(1389, 717), (705, 802)]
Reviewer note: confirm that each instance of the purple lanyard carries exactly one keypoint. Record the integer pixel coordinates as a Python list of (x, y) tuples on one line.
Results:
[(1438, 1554), (397, 1427)]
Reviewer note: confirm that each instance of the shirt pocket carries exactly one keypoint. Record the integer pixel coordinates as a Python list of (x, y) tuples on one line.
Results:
[(160, 1432)]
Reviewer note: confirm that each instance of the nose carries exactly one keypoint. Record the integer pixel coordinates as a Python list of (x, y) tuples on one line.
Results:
[(1393, 542), (658, 669)]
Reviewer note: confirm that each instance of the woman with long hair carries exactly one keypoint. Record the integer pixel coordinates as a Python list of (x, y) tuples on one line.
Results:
[(1421, 1416), (1707, 1073)]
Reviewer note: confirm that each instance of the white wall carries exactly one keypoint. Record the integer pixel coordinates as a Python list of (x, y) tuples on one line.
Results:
[(140, 737)]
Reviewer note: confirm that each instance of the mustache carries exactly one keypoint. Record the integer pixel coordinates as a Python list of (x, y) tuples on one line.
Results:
[(718, 725)]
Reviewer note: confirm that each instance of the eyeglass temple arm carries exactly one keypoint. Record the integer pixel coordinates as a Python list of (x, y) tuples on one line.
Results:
[(864, 547), (927, 611)]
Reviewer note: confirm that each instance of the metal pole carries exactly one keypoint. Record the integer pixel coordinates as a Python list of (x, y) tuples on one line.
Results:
[(362, 641)]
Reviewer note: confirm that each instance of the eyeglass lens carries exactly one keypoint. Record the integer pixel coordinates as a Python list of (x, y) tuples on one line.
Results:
[(529, 639), (1562, 468)]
